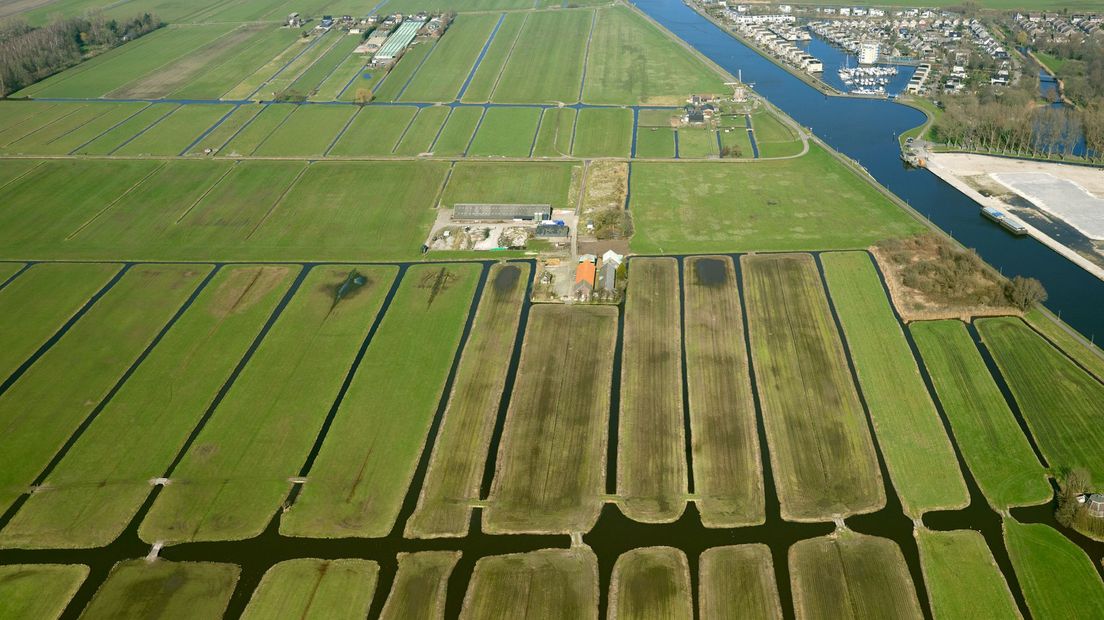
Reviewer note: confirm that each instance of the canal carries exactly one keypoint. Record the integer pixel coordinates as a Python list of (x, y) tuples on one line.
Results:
[(866, 130)]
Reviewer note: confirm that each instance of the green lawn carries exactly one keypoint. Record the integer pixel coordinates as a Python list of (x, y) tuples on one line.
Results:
[(962, 576), (285, 79), (458, 131), (421, 133), (549, 583), (254, 134), (486, 76), (632, 61), (919, 455), (107, 142), (1085, 353), (555, 134), (812, 202), (697, 143), (250, 84), (738, 582), (34, 591), (176, 132), (547, 63), (511, 183), (312, 588), (420, 586), (651, 582), (235, 475), (1060, 402), (308, 132), (452, 59), (220, 135), (655, 142), (773, 137), (991, 441), (1058, 579), (374, 131), (603, 133), (162, 589), (506, 132), (356, 486), (309, 81), (98, 487)]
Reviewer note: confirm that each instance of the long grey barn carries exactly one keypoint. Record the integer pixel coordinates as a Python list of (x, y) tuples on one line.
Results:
[(482, 211)]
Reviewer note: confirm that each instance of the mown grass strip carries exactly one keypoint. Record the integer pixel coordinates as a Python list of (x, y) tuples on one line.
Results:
[(651, 446), (546, 65), (506, 132), (252, 135), (919, 455), (401, 74), (603, 132), (313, 588), (235, 475), (554, 137), (655, 142), (651, 582), (1060, 401), (99, 485), (177, 132), (357, 484), (550, 467), (308, 132), (962, 576), (162, 589), (1087, 354), (821, 451), (728, 476), (1058, 579), (421, 584), (446, 69), (37, 303), (38, 591), (486, 76), (456, 467), (511, 183), (849, 575), (738, 582), (999, 456), (420, 134), (549, 583), (375, 131), (55, 395)]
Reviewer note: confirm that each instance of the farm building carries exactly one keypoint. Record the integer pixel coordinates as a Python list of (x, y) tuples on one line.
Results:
[(398, 41), (607, 277), (584, 278), (483, 211), (1095, 505)]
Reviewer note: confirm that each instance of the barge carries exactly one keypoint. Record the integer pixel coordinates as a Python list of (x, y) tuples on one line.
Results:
[(1000, 217)]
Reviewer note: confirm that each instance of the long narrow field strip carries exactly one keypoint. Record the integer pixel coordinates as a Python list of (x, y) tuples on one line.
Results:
[(850, 575), (307, 84), (97, 488), (458, 131), (312, 588), (113, 69), (773, 137), (999, 456), (226, 71), (178, 73), (65, 385), (506, 132), (445, 70), (35, 591), (651, 445), (112, 114), (170, 590), (550, 583), (176, 132), (120, 133), (456, 467), (358, 483), (556, 130), (341, 79), (375, 131), (550, 467), (9, 271), (1060, 401), (396, 80), (728, 476), (822, 454), (735, 143), (1087, 354), (512, 183), (420, 586), (738, 582), (632, 61), (1058, 579), (38, 140), (281, 83), (962, 576), (37, 303), (235, 475), (546, 65), (308, 132), (919, 455), (217, 137), (32, 117), (422, 131), (253, 84), (603, 132), (486, 76), (252, 135), (651, 582)]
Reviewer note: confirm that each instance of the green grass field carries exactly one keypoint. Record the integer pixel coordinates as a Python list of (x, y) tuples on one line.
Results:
[(175, 133), (120, 134), (446, 68), (456, 467), (546, 65), (421, 584), (168, 590), (919, 455), (422, 132), (738, 582), (95, 491), (311, 588), (246, 141), (774, 138), (457, 132), (651, 450), (1060, 402), (38, 590), (487, 75), (396, 80), (506, 132), (697, 143), (308, 132), (651, 583), (513, 183), (374, 131), (728, 475), (307, 84), (816, 478), (235, 475), (1058, 579), (851, 575), (603, 133), (1088, 355), (991, 441), (812, 202), (227, 129), (554, 137), (962, 576), (549, 471), (655, 142), (227, 70), (358, 483), (550, 583)]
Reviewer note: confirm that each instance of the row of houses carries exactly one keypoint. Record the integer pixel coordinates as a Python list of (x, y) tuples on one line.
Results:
[(596, 276), (777, 39)]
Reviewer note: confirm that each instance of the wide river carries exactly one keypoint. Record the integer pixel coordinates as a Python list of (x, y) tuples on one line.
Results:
[(866, 130)]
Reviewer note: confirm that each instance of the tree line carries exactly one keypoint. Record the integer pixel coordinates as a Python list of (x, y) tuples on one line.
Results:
[(1013, 121), (29, 54)]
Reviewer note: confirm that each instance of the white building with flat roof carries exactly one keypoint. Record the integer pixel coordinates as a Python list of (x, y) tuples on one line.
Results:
[(869, 52)]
